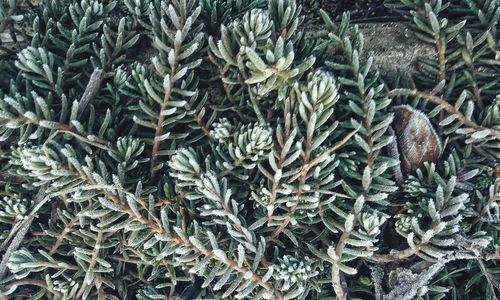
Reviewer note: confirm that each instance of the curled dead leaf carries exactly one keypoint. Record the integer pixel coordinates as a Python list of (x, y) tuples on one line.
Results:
[(415, 142)]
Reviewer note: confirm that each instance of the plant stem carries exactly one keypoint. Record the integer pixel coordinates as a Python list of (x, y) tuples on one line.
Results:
[(161, 119), (336, 275), (256, 109), (95, 255), (63, 234), (441, 54), (391, 257), (35, 282), (449, 108)]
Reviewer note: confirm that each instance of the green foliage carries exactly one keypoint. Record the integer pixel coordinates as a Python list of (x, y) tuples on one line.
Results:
[(214, 149)]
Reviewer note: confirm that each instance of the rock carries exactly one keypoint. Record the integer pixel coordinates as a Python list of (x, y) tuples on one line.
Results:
[(395, 51)]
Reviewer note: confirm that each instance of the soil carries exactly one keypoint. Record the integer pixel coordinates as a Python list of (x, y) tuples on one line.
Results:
[(361, 10), (388, 40)]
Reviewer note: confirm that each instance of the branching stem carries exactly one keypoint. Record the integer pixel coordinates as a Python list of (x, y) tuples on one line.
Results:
[(205, 252), (63, 234), (304, 172)]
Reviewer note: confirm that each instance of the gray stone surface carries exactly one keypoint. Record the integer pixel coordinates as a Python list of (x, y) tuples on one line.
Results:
[(394, 49)]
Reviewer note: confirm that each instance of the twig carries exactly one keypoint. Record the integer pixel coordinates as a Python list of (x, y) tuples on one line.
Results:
[(35, 282), (491, 279), (162, 117), (256, 108), (178, 240), (468, 245), (238, 226), (13, 231), (392, 257), (485, 209), (129, 260), (330, 150), (302, 181), (336, 274), (98, 142), (279, 164), (63, 234), (93, 86), (174, 238), (336, 280), (305, 170), (441, 55), (92, 263), (475, 88), (337, 283), (447, 107)]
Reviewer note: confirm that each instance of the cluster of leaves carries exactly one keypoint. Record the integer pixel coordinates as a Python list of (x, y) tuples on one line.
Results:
[(464, 74), (195, 148)]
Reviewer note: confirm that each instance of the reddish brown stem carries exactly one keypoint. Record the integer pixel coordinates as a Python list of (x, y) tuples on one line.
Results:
[(63, 235), (93, 261), (35, 282), (161, 119), (62, 128), (205, 252), (450, 109), (441, 54), (305, 170)]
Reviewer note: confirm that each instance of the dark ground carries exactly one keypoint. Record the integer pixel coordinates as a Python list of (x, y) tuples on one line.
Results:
[(361, 10)]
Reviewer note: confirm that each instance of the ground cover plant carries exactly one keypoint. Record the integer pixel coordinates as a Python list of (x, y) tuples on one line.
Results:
[(222, 149)]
